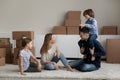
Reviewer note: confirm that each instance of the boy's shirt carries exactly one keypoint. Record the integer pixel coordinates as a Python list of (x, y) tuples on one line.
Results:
[(92, 24)]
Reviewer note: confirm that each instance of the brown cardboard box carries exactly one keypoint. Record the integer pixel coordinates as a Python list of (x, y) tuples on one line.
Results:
[(73, 30), (72, 23), (2, 61), (59, 30), (19, 43), (113, 50), (17, 35), (2, 52), (109, 30), (8, 57), (4, 42), (74, 15)]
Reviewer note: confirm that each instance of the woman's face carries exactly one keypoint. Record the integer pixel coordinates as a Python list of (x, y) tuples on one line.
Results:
[(30, 45), (53, 40)]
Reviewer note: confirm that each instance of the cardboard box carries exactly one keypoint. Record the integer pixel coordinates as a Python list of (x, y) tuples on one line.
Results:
[(113, 50), (59, 30), (73, 30), (4, 42), (2, 52), (8, 57), (19, 43), (2, 61), (74, 15), (72, 23), (17, 35), (110, 30)]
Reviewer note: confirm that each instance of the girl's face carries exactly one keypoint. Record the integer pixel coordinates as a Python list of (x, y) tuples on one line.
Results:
[(53, 40), (30, 45), (87, 16)]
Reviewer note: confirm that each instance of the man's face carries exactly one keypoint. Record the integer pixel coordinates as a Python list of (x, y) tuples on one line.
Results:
[(84, 36)]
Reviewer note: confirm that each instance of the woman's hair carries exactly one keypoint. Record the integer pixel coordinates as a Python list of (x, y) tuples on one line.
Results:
[(89, 12), (25, 41), (45, 46)]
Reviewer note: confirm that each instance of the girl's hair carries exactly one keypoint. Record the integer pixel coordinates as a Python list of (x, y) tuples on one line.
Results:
[(45, 46), (25, 41), (89, 12)]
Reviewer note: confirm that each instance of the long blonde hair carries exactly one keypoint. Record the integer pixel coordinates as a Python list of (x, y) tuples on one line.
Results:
[(45, 46)]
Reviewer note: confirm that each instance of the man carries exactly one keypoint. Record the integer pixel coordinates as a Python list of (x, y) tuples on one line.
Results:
[(92, 57)]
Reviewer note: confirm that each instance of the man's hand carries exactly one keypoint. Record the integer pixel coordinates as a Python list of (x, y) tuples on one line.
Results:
[(93, 58)]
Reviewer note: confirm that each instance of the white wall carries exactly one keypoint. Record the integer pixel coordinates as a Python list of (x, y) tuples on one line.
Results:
[(41, 15)]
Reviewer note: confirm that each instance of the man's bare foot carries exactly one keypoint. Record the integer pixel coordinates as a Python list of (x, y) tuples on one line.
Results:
[(69, 68)]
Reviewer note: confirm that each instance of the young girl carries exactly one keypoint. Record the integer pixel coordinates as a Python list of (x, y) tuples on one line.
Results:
[(50, 54), (24, 58), (91, 23)]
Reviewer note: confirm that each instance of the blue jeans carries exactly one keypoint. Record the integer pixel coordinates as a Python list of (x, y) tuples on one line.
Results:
[(56, 59), (91, 39), (82, 66)]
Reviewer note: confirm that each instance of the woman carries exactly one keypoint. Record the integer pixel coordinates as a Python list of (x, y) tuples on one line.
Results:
[(50, 54)]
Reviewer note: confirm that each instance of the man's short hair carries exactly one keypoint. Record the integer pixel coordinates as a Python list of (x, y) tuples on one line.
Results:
[(84, 30)]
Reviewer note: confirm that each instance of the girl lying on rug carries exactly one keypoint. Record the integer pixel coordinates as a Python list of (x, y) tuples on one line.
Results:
[(50, 54), (24, 58)]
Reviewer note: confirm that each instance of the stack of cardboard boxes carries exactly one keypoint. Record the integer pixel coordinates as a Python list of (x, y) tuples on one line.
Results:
[(71, 24), (5, 51), (110, 30), (18, 36)]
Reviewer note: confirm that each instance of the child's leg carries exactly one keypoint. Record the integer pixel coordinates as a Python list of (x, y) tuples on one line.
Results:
[(33, 68), (91, 39)]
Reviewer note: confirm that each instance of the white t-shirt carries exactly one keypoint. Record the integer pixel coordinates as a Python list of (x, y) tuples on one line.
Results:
[(49, 55), (26, 58)]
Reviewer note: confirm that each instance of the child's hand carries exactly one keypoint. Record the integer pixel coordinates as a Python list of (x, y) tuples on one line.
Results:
[(93, 58), (82, 50), (39, 67), (92, 51), (82, 25)]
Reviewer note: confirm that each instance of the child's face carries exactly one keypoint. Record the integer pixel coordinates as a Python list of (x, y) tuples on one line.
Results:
[(53, 40), (30, 45), (84, 36), (87, 16)]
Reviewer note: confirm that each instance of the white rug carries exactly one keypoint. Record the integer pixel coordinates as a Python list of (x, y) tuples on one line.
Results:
[(107, 72)]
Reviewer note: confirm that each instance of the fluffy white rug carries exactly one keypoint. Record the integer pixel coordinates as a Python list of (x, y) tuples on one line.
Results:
[(107, 71)]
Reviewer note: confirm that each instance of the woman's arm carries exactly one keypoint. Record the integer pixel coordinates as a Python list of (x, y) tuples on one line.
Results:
[(21, 65), (58, 53)]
